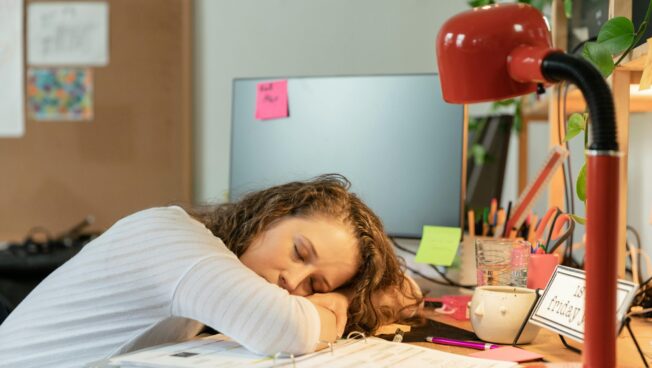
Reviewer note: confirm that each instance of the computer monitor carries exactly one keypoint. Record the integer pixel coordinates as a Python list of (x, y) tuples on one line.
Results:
[(401, 146)]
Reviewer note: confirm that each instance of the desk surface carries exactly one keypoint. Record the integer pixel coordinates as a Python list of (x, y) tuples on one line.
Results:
[(550, 346)]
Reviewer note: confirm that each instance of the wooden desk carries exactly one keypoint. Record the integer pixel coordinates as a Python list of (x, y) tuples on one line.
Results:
[(550, 346)]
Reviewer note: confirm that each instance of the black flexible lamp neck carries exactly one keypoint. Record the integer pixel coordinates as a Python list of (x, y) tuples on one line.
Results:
[(563, 67)]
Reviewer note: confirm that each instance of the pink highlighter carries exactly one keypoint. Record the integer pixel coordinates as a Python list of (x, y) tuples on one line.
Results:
[(465, 344)]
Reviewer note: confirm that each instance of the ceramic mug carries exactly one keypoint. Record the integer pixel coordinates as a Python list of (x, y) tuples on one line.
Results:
[(497, 313)]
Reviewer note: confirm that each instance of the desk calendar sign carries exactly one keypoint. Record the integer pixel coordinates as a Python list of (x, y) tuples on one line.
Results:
[(561, 307)]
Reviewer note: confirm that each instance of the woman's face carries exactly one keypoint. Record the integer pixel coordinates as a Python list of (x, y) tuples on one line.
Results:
[(304, 255)]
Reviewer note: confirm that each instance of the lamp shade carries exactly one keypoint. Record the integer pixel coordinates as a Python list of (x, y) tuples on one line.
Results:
[(476, 48)]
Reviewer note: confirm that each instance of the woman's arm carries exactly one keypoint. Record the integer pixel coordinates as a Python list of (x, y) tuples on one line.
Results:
[(333, 308), (224, 294)]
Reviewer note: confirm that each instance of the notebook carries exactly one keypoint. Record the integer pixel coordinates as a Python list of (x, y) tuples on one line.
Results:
[(433, 328), (220, 351)]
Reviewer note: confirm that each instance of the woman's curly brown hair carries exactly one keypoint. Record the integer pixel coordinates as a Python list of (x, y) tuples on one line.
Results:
[(238, 223)]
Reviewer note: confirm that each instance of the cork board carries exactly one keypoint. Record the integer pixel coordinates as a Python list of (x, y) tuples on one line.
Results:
[(135, 152)]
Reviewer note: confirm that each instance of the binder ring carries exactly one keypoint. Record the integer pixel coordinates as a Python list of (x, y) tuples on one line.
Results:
[(279, 355), (357, 333), (329, 343)]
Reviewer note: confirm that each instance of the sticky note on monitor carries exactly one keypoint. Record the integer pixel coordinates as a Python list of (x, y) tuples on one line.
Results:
[(272, 100), (438, 245)]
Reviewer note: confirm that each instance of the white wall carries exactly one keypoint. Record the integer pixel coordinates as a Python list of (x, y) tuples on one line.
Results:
[(639, 203), (276, 38)]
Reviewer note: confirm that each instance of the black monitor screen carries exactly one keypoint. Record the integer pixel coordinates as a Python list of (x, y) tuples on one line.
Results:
[(392, 136)]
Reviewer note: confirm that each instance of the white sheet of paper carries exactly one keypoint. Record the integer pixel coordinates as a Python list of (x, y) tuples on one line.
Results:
[(68, 33), (220, 351), (12, 118)]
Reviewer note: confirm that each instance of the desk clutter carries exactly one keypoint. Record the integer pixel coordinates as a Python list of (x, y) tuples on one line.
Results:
[(525, 256), (220, 351)]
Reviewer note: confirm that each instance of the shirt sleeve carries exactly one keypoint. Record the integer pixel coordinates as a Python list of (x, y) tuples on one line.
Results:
[(224, 294)]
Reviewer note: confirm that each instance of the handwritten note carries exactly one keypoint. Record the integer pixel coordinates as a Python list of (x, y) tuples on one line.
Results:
[(272, 100), (12, 121), (438, 245), (68, 33)]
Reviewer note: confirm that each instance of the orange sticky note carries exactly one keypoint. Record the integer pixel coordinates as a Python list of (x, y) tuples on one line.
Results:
[(272, 100), (508, 353)]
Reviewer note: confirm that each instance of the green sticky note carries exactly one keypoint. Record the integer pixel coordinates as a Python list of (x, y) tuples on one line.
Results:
[(438, 245)]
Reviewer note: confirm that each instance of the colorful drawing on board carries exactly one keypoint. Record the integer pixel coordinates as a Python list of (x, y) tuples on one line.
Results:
[(62, 94)]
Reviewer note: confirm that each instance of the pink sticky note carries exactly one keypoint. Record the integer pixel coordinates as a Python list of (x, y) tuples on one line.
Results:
[(272, 100), (508, 353)]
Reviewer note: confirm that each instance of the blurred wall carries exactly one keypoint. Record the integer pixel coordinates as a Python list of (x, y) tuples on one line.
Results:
[(256, 38)]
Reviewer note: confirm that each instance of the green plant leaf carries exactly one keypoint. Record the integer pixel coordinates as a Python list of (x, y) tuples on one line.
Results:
[(473, 124), (518, 119), (568, 8), (476, 3), (599, 56), (616, 35), (479, 154), (576, 124), (504, 103), (580, 184), (539, 4), (579, 219)]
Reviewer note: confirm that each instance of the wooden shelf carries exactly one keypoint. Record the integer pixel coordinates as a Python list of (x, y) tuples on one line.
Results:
[(638, 57), (640, 101)]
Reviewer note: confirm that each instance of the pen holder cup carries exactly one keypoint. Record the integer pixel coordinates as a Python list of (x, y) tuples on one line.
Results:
[(497, 313), (502, 262), (540, 268)]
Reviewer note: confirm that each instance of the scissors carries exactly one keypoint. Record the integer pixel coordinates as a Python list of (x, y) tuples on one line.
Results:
[(558, 231)]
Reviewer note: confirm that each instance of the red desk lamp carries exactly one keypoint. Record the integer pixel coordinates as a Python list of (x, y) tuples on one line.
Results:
[(504, 50)]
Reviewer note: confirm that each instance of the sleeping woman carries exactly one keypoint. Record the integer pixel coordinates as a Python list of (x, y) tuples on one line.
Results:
[(303, 261)]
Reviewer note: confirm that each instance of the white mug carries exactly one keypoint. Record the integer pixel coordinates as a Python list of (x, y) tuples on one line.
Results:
[(497, 313)]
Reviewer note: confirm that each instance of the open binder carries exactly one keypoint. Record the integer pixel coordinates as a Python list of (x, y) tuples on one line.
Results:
[(220, 351)]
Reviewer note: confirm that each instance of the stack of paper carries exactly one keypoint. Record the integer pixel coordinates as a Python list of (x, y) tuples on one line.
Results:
[(220, 351)]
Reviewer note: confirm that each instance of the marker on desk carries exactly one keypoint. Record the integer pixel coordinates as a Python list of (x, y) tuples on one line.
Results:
[(461, 343), (398, 335)]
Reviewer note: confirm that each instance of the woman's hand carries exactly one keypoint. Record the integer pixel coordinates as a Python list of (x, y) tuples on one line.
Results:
[(401, 303), (335, 302)]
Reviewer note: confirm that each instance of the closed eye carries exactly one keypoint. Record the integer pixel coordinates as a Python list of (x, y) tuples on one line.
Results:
[(297, 254)]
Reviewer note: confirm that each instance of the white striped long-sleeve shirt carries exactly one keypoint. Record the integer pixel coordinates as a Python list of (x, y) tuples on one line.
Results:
[(154, 277)]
